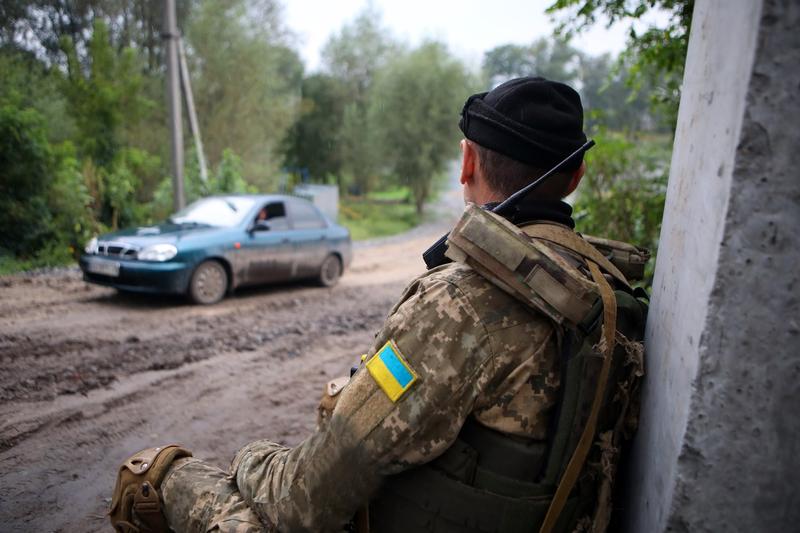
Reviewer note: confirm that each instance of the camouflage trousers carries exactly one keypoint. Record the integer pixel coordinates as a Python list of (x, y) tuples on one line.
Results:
[(201, 498)]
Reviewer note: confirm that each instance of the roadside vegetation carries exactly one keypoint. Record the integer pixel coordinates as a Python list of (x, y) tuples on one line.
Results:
[(83, 128), (379, 213)]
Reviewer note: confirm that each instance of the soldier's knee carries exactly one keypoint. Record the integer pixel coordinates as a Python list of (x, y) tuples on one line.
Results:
[(136, 502)]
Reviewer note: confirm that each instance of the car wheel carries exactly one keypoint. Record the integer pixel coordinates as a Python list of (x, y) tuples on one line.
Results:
[(209, 283), (330, 271)]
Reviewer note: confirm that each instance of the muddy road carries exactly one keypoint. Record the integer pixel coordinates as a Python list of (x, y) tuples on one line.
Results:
[(89, 376)]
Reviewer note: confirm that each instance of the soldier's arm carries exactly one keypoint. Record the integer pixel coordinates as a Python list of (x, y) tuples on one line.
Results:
[(439, 338)]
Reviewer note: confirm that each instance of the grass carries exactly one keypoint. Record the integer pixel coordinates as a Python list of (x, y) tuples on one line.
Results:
[(380, 214), (394, 194), (12, 265)]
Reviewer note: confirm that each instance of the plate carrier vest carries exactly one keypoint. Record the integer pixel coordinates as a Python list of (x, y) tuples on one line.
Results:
[(488, 481)]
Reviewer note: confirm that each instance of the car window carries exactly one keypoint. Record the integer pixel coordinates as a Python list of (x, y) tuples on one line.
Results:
[(306, 216), (275, 215)]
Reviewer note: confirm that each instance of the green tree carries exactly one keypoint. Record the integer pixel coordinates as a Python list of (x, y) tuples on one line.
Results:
[(45, 205), (106, 102), (600, 80), (39, 26), (46, 208), (357, 52), (354, 57), (622, 196), (416, 103), (656, 55), (27, 83), (104, 95), (555, 59), (359, 147), (247, 89), (313, 144), (608, 101), (25, 176)]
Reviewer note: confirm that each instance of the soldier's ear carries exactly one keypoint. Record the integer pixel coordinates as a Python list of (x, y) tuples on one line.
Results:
[(468, 162), (575, 180)]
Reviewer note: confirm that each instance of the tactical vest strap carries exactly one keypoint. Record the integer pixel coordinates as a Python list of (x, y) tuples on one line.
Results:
[(572, 241), (426, 499), (629, 259), (582, 450), (526, 268)]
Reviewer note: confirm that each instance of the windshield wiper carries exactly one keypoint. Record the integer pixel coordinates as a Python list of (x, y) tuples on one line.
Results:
[(232, 206)]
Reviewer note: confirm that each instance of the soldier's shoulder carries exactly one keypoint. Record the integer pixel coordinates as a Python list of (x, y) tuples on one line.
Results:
[(494, 306), (458, 275)]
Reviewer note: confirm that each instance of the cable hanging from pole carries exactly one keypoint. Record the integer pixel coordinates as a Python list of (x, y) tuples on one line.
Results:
[(194, 125)]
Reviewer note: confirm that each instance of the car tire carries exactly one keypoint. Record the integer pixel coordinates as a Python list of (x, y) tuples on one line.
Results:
[(330, 271), (209, 283)]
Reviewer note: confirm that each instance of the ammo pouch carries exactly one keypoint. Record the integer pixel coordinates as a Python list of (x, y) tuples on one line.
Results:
[(539, 264), (488, 481)]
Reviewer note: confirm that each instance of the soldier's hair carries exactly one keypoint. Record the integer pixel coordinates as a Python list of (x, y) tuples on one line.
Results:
[(506, 176)]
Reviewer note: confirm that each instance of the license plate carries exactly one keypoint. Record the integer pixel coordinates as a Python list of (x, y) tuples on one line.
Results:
[(105, 268)]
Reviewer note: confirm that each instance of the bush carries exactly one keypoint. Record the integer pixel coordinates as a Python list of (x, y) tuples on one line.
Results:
[(45, 204), (25, 162), (68, 198), (622, 195), (227, 178), (122, 181)]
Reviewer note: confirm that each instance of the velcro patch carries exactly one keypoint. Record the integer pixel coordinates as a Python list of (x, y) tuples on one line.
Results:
[(391, 371)]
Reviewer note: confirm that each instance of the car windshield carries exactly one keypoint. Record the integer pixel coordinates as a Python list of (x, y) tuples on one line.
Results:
[(219, 211)]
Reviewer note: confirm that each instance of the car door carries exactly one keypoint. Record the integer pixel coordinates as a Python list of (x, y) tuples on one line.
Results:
[(269, 248), (309, 234)]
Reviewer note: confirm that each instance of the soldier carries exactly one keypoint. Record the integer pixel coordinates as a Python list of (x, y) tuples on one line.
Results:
[(493, 398)]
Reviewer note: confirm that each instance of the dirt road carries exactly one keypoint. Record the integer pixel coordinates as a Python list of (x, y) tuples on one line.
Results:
[(88, 376)]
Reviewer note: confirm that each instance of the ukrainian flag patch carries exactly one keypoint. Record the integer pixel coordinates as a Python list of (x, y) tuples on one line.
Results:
[(391, 371)]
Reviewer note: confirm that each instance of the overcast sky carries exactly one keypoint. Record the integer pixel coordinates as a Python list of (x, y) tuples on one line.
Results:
[(469, 27)]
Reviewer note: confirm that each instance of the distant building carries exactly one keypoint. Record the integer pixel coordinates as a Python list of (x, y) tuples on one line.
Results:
[(325, 197)]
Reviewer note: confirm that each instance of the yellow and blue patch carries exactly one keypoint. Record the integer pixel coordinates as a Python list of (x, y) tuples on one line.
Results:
[(391, 372)]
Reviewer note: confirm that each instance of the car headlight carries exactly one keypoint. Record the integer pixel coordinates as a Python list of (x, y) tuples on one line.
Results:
[(91, 246), (158, 252)]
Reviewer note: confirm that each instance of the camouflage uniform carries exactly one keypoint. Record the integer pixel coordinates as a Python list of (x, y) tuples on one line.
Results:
[(476, 351)]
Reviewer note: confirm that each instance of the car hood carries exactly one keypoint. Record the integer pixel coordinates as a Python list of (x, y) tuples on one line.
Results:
[(167, 232)]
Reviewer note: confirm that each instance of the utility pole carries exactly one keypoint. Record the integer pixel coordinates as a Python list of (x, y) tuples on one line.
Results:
[(170, 36)]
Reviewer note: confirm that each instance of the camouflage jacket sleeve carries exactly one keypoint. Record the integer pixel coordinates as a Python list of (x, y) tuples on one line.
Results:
[(441, 334)]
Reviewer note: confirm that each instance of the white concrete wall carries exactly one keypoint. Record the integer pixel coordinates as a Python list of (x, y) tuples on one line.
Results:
[(722, 337)]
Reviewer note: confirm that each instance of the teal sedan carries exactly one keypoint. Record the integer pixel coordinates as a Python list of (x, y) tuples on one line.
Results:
[(220, 243)]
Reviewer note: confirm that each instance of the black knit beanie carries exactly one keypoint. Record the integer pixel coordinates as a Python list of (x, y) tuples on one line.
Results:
[(532, 120)]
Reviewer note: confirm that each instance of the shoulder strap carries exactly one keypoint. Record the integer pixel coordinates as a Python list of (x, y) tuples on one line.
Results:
[(569, 239), (578, 458), (529, 269)]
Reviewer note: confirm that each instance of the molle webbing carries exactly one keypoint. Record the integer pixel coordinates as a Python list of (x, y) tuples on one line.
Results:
[(572, 241), (629, 259), (526, 268)]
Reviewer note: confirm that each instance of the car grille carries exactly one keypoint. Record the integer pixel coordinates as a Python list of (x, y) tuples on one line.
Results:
[(117, 249)]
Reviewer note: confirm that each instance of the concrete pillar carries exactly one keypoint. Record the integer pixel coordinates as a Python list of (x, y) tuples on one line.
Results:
[(718, 447)]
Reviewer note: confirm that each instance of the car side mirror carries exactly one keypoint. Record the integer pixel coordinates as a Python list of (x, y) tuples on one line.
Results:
[(260, 225)]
